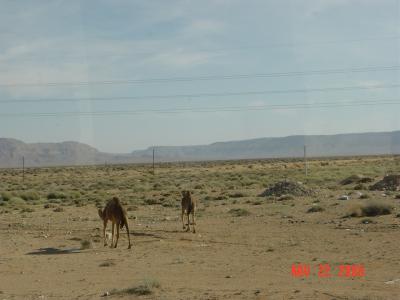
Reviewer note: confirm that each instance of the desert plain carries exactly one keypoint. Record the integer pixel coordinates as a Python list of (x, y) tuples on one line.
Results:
[(249, 234)]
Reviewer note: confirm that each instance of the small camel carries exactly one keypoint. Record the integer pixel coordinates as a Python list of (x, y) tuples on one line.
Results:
[(117, 215), (189, 206)]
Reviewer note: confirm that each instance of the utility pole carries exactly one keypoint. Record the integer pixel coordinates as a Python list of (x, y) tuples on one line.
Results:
[(153, 160), (305, 160)]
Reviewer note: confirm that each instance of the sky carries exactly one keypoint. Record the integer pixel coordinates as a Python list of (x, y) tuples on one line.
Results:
[(122, 75)]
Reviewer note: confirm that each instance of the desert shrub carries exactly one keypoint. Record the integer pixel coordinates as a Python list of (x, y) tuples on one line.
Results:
[(237, 195), (207, 198), (54, 201), (364, 196), (27, 210), (239, 212), (351, 179), (6, 196), (257, 202), (169, 203), (370, 209), (355, 179), (151, 201), (58, 209), (145, 288), (221, 197), (74, 194), (376, 209), (285, 197), (86, 244), (78, 202), (16, 201), (56, 195), (360, 187), (315, 208), (107, 264), (30, 195)]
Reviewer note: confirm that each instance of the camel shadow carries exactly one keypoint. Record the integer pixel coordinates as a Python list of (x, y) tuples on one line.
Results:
[(135, 233), (168, 231), (54, 251)]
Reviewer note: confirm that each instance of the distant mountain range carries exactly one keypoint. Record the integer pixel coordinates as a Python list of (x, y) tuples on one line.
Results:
[(74, 153)]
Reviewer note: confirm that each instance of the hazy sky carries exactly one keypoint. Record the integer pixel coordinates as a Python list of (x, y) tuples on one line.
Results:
[(51, 50)]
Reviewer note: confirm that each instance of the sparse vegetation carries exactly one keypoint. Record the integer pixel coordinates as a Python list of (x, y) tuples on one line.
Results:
[(86, 244), (107, 263), (237, 195), (147, 287), (30, 195), (315, 208), (239, 212), (370, 209), (231, 217), (56, 195)]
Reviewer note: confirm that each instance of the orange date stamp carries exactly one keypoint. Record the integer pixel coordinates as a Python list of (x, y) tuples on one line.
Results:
[(327, 271)]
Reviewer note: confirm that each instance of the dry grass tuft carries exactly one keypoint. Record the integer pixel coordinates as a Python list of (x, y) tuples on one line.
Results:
[(86, 244), (145, 288)]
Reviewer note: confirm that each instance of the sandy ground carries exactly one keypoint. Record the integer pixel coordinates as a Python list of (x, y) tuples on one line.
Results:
[(248, 257)]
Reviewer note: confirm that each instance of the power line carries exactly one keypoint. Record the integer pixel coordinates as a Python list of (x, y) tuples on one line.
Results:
[(310, 105), (200, 95), (207, 77)]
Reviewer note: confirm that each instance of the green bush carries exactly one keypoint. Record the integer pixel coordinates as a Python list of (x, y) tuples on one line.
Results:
[(6, 196), (30, 195), (17, 201), (56, 195)]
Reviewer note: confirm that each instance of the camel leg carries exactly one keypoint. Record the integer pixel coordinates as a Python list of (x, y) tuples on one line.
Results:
[(112, 235), (129, 238), (104, 232), (188, 223), (116, 242), (183, 224), (194, 222)]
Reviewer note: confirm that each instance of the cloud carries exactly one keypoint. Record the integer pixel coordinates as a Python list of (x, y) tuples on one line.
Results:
[(205, 26), (180, 58), (370, 83)]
